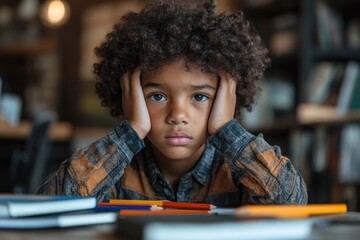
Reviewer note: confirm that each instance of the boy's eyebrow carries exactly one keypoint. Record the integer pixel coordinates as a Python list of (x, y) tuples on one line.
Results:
[(193, 87), (200, 87), (155, 85)]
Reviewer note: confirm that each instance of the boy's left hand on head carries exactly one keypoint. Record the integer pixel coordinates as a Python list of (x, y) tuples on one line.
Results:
[(223, 109)]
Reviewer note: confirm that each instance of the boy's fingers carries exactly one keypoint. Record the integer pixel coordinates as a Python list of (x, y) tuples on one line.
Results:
[(135, 79), (228, 84), (125, 87), (124, 83), (224, 80), (232, 86), (136, 73)]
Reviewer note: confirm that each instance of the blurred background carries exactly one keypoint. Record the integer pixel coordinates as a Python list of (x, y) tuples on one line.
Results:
[(309, 104)]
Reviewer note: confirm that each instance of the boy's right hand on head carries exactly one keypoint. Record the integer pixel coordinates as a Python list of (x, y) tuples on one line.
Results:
[(133, 103)]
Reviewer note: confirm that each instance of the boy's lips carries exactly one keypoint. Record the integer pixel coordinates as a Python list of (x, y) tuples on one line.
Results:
[(178, 138)]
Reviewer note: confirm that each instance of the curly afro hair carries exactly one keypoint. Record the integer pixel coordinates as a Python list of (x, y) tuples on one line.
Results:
[(162, 33)]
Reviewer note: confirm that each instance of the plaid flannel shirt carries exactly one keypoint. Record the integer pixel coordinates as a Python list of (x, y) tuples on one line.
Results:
[(236, 168)]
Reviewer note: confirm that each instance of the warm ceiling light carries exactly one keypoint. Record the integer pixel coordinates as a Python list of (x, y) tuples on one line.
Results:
[(55, 12)]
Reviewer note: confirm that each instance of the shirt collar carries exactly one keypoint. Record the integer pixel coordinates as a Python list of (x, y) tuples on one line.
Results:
[(201, 172)]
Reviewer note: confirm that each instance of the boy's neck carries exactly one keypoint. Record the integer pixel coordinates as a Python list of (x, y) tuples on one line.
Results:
[(174, 169)]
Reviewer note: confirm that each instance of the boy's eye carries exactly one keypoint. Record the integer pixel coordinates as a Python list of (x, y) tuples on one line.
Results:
[(200, 97), (157, 97)]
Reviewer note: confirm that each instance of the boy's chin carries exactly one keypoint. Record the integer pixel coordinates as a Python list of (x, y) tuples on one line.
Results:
[(177, 153)]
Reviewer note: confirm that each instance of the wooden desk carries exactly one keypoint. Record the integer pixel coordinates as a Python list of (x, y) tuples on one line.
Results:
[(103, 232), (107, 232), (59, 131)]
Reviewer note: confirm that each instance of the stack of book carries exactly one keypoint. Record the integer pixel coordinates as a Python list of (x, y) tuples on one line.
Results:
[(38, 212)]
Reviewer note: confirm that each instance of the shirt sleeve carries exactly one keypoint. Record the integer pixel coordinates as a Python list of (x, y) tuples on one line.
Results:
[(95, 169), (265, 175)]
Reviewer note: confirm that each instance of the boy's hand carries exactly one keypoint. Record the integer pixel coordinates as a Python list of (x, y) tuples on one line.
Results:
[(133, 103), (224, 106)]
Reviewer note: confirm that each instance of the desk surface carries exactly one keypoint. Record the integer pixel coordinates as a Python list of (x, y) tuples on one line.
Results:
[(107, 232), (103, 232)]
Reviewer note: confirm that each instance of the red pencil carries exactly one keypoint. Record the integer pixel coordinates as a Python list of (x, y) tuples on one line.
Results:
[(165, 204), (187, 205), (162, 212)]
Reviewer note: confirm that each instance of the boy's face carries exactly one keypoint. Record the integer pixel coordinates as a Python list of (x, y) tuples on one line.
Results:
[(179, 101)]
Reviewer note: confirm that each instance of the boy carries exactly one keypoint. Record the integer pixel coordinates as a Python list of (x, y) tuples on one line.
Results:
[(179, 74)]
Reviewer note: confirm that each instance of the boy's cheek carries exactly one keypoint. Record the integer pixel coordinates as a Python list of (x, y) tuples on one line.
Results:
[(154, 115)]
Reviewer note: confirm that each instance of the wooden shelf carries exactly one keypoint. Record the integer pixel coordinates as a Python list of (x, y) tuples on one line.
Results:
[(286, 125), (28, 47), (352, 117), (59, 131)]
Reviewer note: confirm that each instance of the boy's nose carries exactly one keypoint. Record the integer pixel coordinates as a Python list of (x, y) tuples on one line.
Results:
[(177, 114)]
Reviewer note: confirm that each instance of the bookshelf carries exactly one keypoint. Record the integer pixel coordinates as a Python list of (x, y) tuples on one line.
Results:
[(29, 67), (326, 31)]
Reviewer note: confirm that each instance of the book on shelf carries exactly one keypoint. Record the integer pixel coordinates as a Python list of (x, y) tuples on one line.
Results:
[(334, 91), (261, 113), (349, 91), (349, 164), (13, 206), (300, 150), (276, 95), (323, 83), (330, 26), (354, 104), (353, 33)]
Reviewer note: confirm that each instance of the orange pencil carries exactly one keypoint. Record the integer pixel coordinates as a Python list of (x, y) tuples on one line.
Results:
[(291, 211), (133, 207), (162, 212), (136, 202)]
